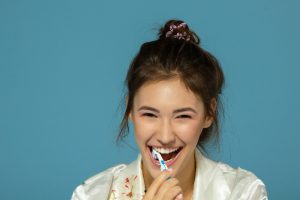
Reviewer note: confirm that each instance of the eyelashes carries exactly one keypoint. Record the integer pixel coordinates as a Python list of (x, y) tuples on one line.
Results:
[(151, 115), (184, 116)]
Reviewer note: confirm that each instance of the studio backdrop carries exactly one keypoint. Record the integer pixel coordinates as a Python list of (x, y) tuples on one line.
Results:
[(62, 71)]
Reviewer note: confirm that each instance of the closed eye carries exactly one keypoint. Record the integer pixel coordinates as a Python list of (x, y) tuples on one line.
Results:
[(148, 115), (184, 116)]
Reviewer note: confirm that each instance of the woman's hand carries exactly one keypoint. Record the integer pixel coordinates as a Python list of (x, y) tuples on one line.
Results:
[(164, 188)]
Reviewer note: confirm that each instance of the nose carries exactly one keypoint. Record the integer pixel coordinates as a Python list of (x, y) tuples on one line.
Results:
[(165, 135)]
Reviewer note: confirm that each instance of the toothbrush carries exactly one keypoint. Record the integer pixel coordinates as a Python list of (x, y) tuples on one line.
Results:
[(162, 163)]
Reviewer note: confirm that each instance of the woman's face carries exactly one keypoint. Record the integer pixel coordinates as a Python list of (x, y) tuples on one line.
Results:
[(170, 118)]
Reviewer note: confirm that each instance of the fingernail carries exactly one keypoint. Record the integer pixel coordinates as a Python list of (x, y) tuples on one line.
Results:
[(179, 197), (170, 169)]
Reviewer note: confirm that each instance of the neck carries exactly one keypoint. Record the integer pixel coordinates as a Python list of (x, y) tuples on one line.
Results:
[(187, 178)]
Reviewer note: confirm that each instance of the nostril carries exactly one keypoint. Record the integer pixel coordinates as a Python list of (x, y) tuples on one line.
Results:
[(166, 139)]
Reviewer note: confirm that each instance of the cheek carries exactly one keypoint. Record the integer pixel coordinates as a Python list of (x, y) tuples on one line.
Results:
[(143, 130), (189, 133)]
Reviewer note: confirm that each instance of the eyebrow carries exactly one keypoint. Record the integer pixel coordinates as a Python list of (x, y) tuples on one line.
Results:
[(175, 111), (185, 109), (148, 108)]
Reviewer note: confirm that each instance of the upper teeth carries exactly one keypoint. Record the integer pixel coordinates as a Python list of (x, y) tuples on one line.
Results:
[(165, 150)]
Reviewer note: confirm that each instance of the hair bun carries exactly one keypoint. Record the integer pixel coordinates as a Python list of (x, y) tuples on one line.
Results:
[(179, 30)]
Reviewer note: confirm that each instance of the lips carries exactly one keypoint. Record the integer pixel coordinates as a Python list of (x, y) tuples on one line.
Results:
[(169, 155)]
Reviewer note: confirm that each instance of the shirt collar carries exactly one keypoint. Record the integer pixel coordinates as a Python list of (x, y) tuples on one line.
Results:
[(209, 181)]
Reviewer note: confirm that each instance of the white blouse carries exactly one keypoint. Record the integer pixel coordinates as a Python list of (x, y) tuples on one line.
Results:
[(213, 181)]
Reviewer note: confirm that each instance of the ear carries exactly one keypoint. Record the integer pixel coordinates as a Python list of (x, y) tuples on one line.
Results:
[(130, 114), (209, 119)]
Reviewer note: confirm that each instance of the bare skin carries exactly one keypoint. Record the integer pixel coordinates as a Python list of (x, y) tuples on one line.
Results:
[(168, 115), (175, 188), (164, 188)]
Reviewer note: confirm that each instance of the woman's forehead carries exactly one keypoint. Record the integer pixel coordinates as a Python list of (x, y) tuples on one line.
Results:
[(170, 93)]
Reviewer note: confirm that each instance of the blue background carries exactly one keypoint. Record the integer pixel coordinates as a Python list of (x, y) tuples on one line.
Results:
[(62, 67)]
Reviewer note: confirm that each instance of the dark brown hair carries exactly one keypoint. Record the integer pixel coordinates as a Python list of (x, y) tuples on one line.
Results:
[(177, 53)]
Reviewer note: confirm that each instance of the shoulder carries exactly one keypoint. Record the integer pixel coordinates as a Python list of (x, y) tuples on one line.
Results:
[(234, 183), (242, 183), (237, 175), (98, 185)]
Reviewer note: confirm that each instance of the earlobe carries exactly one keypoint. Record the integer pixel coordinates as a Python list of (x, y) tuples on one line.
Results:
[(210, 119), (130, 116)]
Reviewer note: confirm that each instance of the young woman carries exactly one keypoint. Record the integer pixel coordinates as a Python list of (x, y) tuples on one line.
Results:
[(173, 102)]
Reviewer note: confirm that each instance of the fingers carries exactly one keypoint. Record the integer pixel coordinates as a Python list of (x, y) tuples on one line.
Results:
[(158, 181), (164, 188), (169, 190)]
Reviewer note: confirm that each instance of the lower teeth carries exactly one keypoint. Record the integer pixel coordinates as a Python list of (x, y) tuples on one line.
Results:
[(168, 160)]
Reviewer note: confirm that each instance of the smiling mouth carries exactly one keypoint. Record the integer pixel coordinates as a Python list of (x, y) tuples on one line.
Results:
[(168, 154)]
